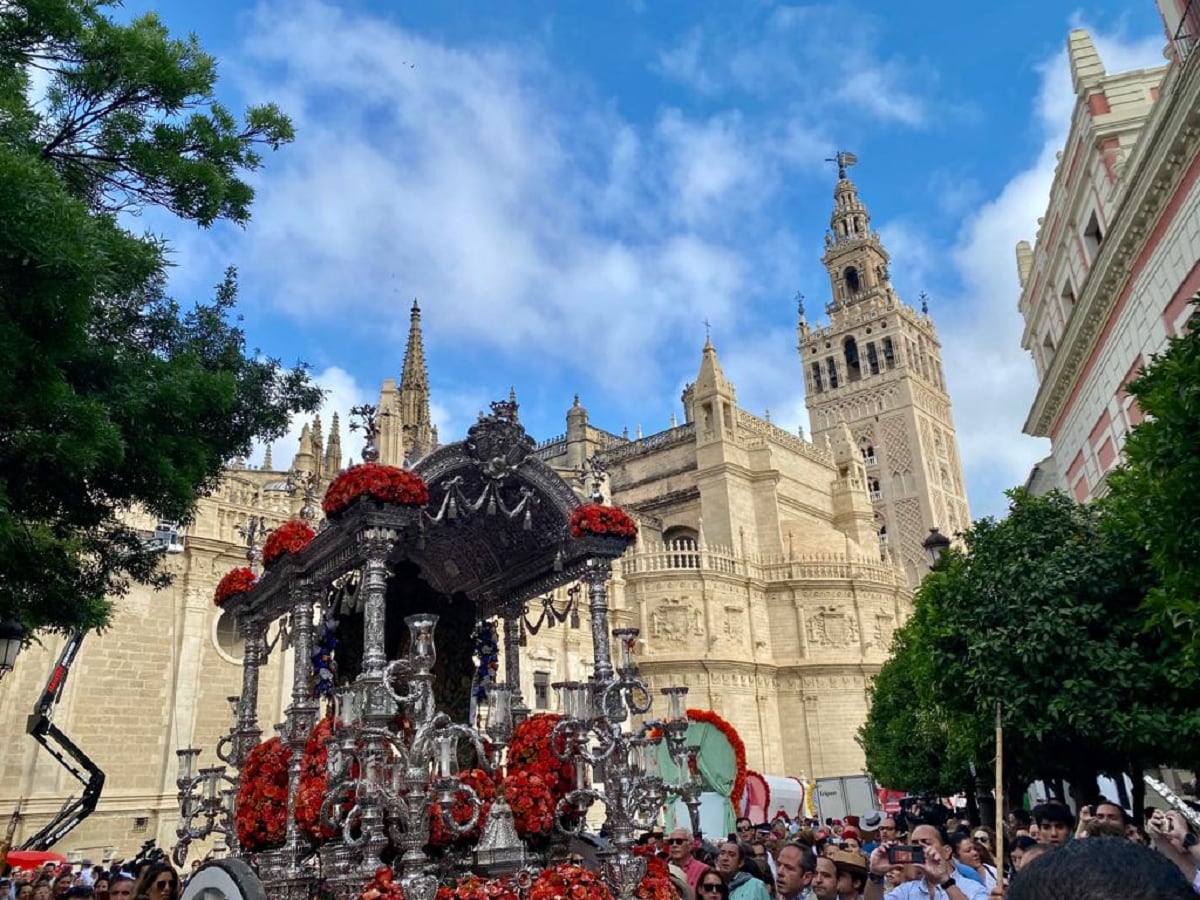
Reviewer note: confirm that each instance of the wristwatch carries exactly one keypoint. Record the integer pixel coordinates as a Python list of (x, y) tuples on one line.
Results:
[(947, 884)]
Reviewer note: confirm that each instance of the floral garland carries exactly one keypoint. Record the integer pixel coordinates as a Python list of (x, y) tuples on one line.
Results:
[(472, 887), (236, 581), (382, 886), (574, 882), (311, 792), (261, 817), (460, 810), (656, 884), (529, 751), (596, 518), (532, 803), (290, 537), (487, 654), (709, 717), (386, 483)]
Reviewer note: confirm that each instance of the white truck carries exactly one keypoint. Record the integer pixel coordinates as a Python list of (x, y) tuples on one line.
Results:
[(845, 795)]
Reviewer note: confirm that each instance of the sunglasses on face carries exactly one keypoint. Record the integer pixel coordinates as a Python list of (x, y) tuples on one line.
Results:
[(164, 885), (711, 886), (674, 842)]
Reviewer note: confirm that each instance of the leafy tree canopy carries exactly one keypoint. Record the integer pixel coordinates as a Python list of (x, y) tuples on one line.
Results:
[(1155, 494), (114, 397)]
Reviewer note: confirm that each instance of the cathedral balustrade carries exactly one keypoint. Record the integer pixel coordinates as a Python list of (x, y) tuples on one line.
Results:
[(684, 556), (681, 434), (761, 428)]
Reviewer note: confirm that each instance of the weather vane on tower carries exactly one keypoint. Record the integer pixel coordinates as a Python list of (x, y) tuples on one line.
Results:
[(844, 159)]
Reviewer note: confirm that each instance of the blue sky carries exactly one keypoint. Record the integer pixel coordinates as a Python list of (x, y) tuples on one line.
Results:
[(572, 189)]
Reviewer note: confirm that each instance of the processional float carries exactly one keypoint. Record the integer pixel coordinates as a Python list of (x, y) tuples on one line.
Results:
[(372, 787)]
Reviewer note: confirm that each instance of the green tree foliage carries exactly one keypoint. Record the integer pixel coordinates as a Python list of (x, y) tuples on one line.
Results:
[(113, 396), (1041, 611), (911, 739), (1155, 494)]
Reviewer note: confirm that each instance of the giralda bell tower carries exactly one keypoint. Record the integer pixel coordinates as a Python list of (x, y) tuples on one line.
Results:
[(877, 367)]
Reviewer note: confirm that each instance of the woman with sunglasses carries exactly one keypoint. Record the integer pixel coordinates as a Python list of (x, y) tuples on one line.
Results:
[(711, 887), (158, 882)]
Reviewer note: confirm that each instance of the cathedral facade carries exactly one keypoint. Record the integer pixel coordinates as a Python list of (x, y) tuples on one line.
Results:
[(768, 576)]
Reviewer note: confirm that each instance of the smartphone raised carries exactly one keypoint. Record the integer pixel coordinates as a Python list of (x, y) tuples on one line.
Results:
[(904, 854)]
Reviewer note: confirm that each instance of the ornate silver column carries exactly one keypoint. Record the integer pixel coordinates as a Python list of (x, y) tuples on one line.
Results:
[(254, 634), (596, 576), (301, 716), (378, 706), (512, 653)]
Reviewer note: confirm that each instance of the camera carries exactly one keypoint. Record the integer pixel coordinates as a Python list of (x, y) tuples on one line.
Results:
[(904, 854)]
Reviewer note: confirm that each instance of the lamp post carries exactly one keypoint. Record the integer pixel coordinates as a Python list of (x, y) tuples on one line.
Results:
[(12, 636), (935, 545)]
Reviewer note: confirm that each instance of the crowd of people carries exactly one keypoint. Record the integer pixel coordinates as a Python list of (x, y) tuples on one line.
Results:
[(144, 880), (1049, 854)]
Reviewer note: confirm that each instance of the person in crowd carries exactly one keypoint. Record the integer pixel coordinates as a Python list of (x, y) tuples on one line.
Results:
[(1054, 823), (158, 881), (1176, 840), (711, 886), (794, 870), (1024, 850), (120, 887), (679, 851), (744, 829), (851, 840), (25, 890), (985, 838), (938, 880), (62, 884), (868, 826), (1019, 821), (851, 874), (742, 885), (43, 891), (968, 854), (1100, 869), (81, 890), (825, 879)]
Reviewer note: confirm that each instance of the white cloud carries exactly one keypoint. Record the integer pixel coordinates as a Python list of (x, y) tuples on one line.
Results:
[(342, 392), (991, 378)]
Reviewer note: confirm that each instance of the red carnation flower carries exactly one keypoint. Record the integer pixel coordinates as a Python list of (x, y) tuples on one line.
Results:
[(385, 483), (290, 537), (236, 581), (595, 518)]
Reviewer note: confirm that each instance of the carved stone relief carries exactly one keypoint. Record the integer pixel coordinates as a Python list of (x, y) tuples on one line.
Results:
[(829, 626), (675, 619)]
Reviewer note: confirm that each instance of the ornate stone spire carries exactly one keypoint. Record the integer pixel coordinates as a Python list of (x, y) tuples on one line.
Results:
[(305, 461), (333, 450), (413, 399), (268, 464)]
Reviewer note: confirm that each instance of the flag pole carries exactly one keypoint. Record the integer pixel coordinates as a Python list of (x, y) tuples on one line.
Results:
[(999, 795)]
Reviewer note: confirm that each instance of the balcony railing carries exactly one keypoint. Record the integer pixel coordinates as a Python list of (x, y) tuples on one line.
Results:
[(1188, 31), (683, 556)]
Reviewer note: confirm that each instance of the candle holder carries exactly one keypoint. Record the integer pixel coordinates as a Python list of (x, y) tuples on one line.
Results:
[(206, 803)]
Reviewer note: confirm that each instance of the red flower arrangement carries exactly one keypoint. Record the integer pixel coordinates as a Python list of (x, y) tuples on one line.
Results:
[(236, 581), (382, 887), (290, 537), (460, 811), (573, 882), (532, 803), (529, 751), (595, 518), (656, 883), (310, 794), (261, 817), (739, 749), (472, 887), (386, 483)]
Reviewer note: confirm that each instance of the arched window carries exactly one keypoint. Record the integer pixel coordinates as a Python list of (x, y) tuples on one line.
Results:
[(228, 639), (883, 534), (831, 367), (818, 378), (852, 281), (889, 353), (874, 489), (868, 455), (850, 348), (872, 359)]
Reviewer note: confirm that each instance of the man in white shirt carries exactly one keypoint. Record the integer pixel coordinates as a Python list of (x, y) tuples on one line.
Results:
[(939, 882)]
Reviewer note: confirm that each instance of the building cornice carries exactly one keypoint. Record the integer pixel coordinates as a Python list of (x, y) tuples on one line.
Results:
[(1167, 146)]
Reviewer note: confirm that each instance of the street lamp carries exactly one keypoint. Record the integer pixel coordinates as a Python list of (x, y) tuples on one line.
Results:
[(12, 636), (935, 545)]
